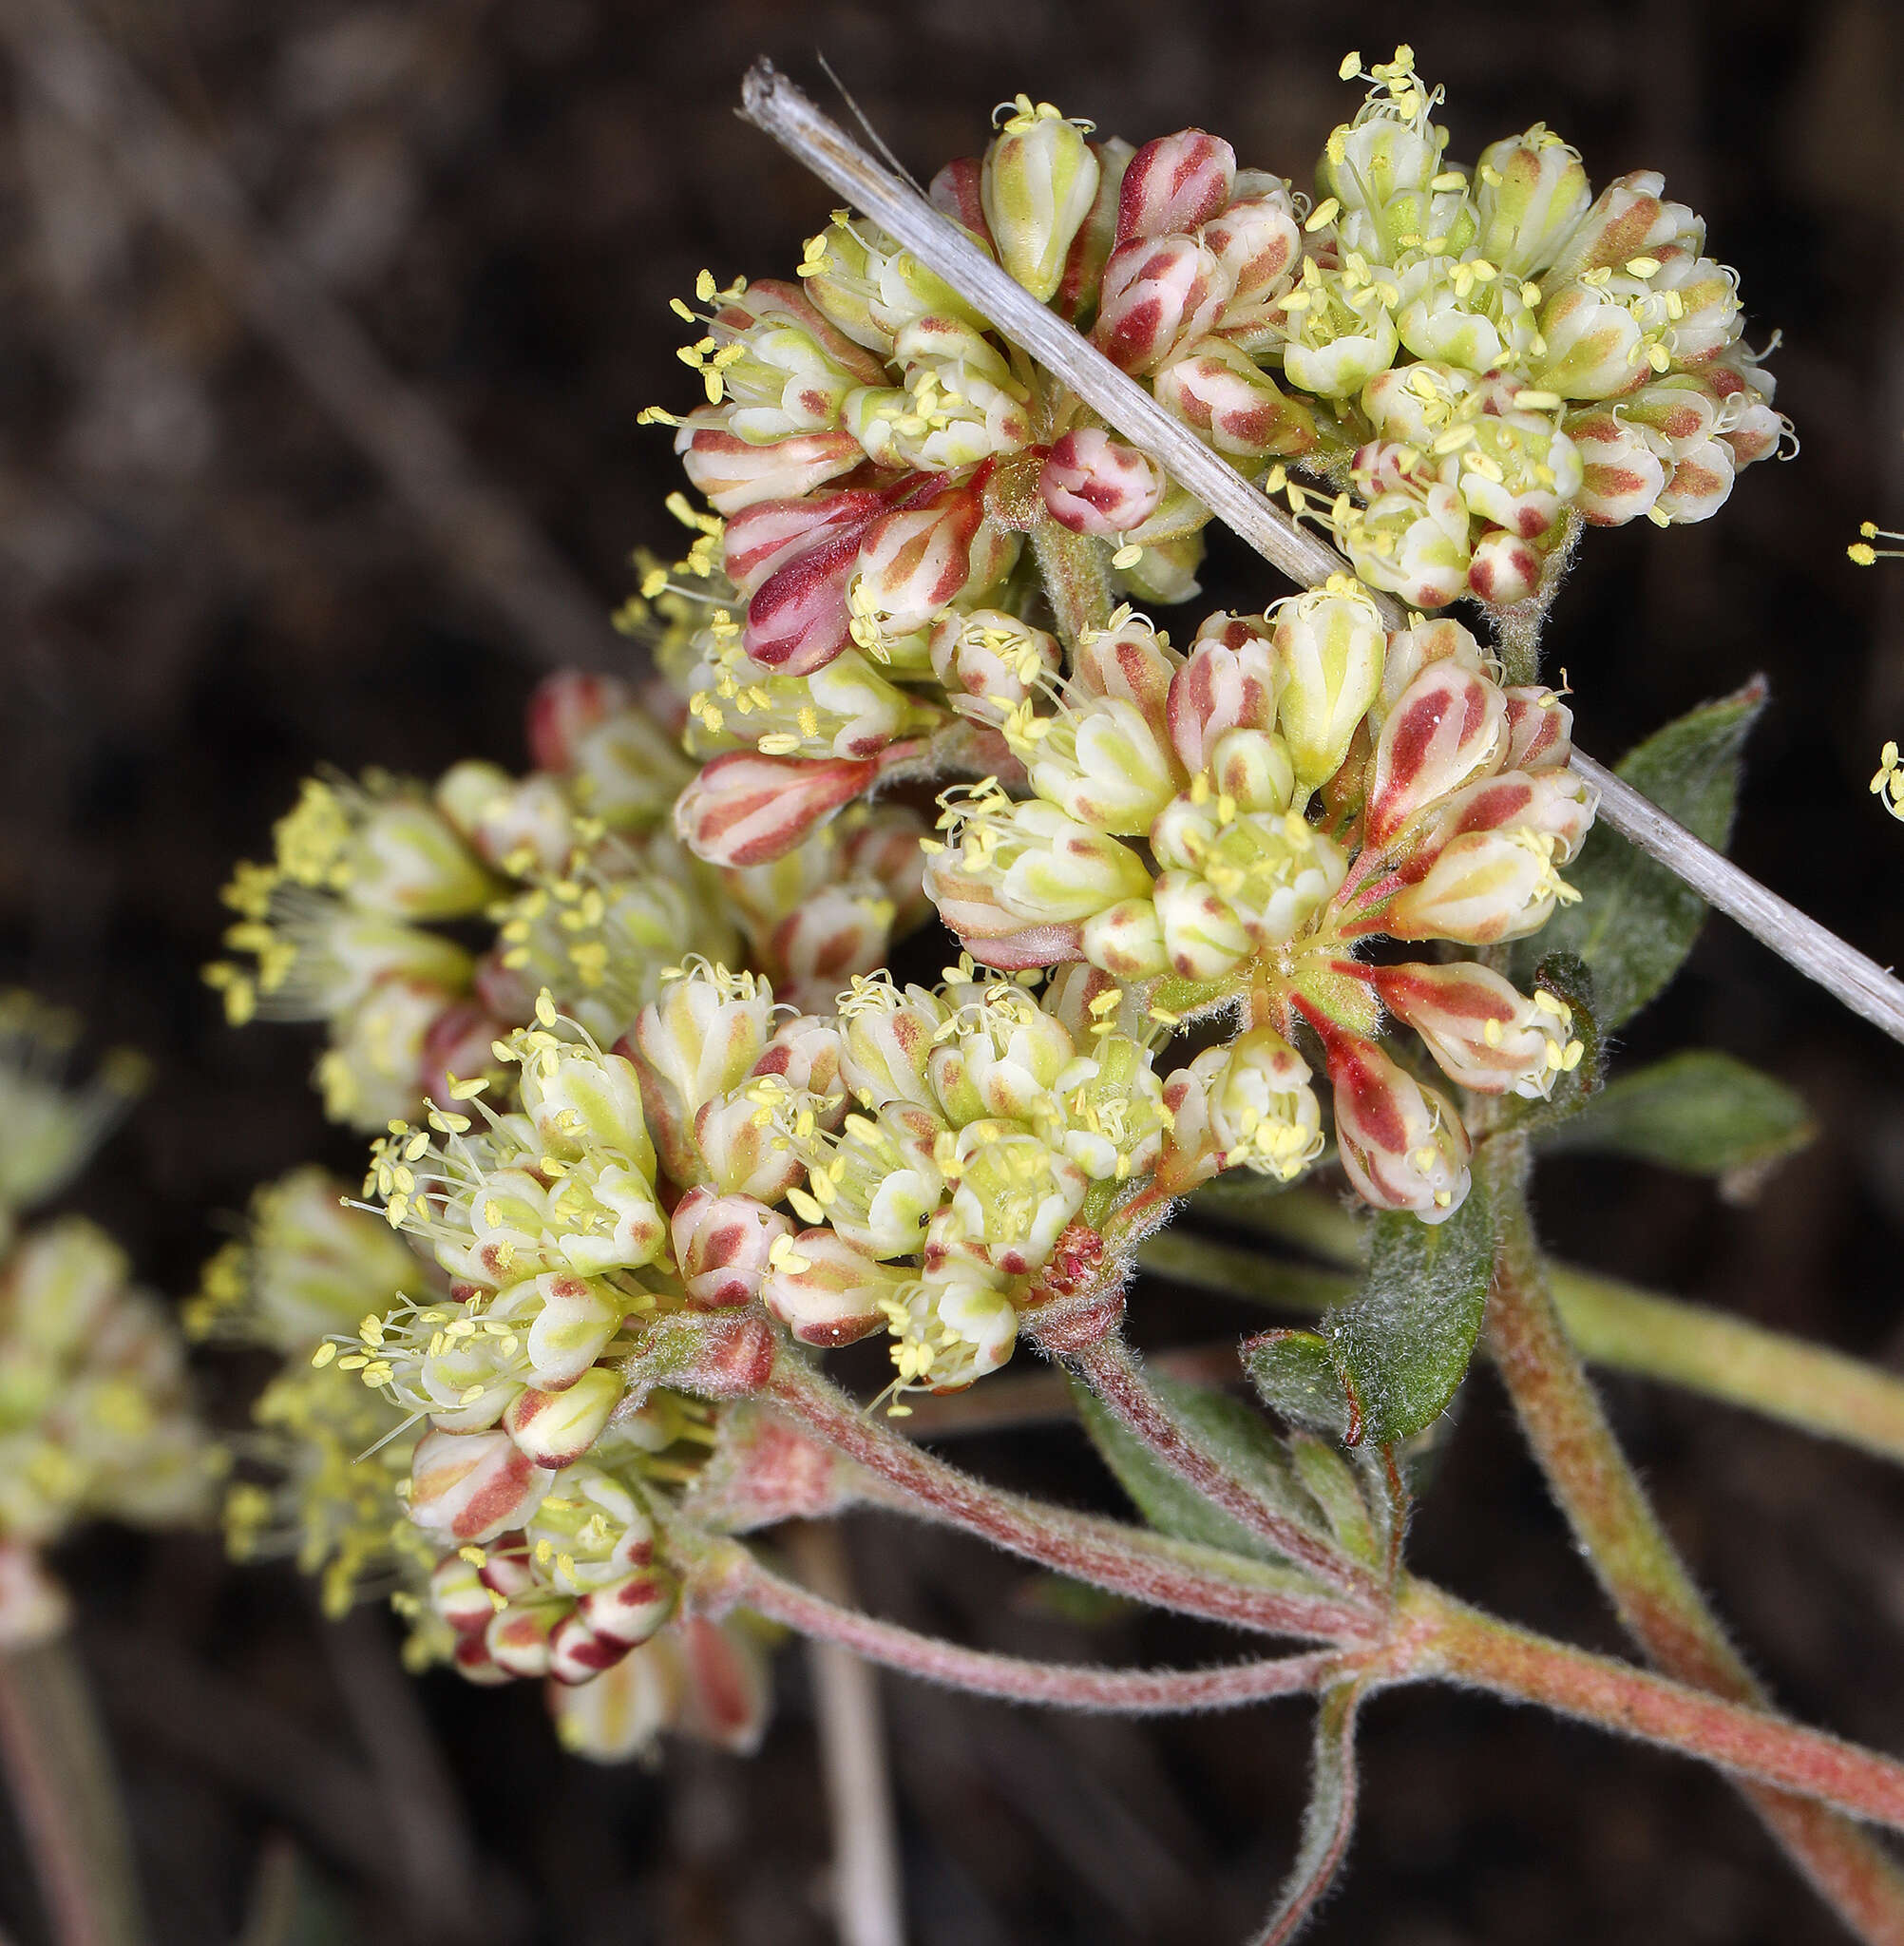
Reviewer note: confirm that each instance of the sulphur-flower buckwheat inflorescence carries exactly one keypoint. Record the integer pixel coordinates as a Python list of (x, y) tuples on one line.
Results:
[(679, 1108)]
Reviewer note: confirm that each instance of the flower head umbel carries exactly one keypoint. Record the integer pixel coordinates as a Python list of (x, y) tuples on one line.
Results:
[(96, 1414)]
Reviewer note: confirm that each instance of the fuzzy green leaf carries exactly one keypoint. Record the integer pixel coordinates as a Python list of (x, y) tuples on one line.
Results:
[(1295, 1375), (1703, 1111), (1635, 921), (1241, 1444), (1401, 1344)]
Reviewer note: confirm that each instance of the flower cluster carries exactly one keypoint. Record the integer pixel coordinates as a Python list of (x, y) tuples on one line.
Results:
[(1467, 362), (589, 898), (332, 1463), (1506, 347), (1246, 817), (96, 1417)]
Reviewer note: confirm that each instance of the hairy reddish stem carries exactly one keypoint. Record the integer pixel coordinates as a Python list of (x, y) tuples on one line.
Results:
[(1633, 1556), (1481, 1652), (1113, 1373), (1128, 1560), (742, 1580)]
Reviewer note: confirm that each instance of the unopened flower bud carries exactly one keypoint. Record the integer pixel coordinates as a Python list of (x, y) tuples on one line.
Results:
[(512, 824), (1159, 293), (1232, 404), (955, 192), (732, 472), (914, 561), (1540, 730), (1505, 570), (1484, 888), (630, 1611), (1202, 936), (1402, 1145), (827, 1292), (1174, 183), (1530, 192), (1699, 483), (1629, 219), (1039, 182), (744, 808), (1622, 477), (1093, 484), (563, 707), (1230, 681), (557, 1428), (1258, 241), (1126, 940), (467, 1488), (1130, 660), (721, 1245), (1549, 803), (1445, 728), (1331, 642), (1483, 1033)]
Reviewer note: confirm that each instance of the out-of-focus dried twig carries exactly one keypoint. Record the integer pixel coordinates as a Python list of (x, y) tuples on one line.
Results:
[(439, 1863), (59, 1774), (483, 535), (868, 1908)]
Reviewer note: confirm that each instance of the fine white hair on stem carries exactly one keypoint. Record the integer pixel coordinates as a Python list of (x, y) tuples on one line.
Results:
[(772, 104)]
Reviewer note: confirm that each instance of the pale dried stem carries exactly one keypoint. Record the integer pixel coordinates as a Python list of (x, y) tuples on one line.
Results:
[(774, 105), (59, 1775), (483, 535), (868, 1900)]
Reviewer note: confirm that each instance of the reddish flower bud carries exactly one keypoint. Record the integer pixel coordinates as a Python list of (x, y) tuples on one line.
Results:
[(843, 929), (762, 539), (1445, 727), (955, 192), (1158, 293), (1095, 484), (517, 1637), (1231, 681), (1483, 1032), (733, 473), (1174, 183), (827, 1292), (1629, 219), (460, 1595), (456, 1047), (470, 1487), (745, 809), (563, 707), (914, 560), (629, 1611), (1232, 404), (577, 1653), (721, 1245), (557, 1428), (1075, 297), (1540, 730), (1259, 242), (1505, 570), (1401, 1144)]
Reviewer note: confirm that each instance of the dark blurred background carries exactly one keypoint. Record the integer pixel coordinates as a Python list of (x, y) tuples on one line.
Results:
[(206, 588)]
